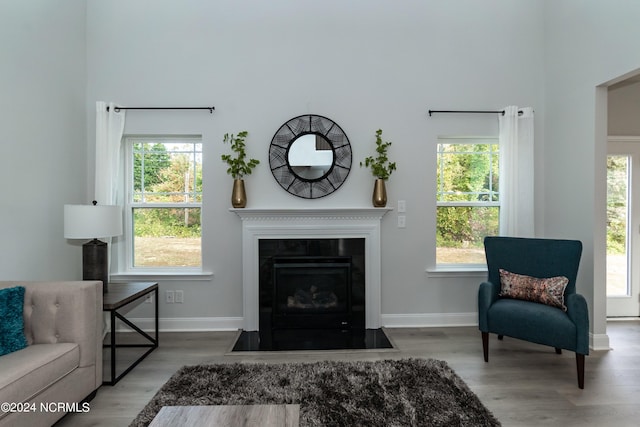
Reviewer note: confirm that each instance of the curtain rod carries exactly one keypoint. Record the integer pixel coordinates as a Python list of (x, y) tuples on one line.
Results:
[(118, 108), (469, 112)]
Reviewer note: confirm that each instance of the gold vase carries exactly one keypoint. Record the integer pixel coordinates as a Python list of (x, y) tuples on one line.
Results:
[(379, 194), (239, 195)]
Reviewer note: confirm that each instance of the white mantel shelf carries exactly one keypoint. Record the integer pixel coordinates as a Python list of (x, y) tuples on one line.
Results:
[(337, 213), (310, 223)]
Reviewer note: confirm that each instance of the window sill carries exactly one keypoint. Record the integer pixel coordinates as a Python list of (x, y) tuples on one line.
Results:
[(475, 271), (161, 275)]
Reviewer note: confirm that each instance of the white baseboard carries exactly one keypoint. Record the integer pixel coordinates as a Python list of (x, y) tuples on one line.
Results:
[(186, 324), (427, 320), (414, 320), (596, 341), (195, 324), (599, 341)]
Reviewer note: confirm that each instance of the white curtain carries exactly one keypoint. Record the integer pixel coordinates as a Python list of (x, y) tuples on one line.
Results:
[(516, 173), (109, 130)]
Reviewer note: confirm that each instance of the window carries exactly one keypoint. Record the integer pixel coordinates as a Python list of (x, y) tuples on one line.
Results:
[(164, 202), (468, 203)]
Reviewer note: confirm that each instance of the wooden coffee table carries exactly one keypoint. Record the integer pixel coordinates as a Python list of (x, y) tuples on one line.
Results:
[(228, 416)]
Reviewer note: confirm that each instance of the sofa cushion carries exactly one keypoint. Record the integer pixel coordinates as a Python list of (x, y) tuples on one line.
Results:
[(12, 326), (25, 373), (549, 291)]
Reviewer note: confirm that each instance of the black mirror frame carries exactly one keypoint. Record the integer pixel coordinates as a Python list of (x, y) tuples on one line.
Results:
[(279, 155)]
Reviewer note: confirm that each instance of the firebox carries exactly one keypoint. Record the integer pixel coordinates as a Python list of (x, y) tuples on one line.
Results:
[(311, 292)]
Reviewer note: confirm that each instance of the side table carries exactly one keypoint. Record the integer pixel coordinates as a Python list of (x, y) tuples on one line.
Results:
[(118, 296)]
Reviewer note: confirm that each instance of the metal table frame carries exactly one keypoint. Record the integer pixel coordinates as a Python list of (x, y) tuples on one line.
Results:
[(120, 295)]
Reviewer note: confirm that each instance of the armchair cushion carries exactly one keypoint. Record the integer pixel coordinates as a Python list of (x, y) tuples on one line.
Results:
[(12, 325), (537, 323), (549, 291)]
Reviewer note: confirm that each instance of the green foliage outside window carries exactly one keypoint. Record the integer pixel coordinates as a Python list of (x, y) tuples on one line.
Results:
[(465, 226), (617, 178), (467, 177), (161, 176), (154, 158), (162, 222)]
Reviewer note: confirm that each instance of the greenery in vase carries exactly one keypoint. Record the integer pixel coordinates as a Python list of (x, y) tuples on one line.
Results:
[(238, 165), (380, 165)]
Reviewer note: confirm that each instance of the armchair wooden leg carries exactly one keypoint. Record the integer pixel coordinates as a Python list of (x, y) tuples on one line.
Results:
[(580, 366), (500, 337), (485, 345), (558, 350)]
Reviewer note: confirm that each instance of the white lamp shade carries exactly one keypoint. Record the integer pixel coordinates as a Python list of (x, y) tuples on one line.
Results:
[(92, 221)]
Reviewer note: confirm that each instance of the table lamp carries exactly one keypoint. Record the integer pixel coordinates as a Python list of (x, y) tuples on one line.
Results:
[(93, 222)]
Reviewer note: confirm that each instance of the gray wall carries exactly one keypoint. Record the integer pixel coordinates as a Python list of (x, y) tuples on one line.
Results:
[(589, 45), (624, 110), (43, 140), (364, 64)]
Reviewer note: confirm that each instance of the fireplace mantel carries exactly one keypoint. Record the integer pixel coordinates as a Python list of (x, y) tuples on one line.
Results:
[(267, 214), (285, 223)]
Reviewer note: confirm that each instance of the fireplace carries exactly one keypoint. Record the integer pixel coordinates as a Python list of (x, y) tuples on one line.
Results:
[(284, 242), (311, 292)]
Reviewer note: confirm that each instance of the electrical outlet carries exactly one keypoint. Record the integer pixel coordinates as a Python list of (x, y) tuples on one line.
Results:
[(402, 206), (170, 297), (149, 299), (402, 221), (179, 297)]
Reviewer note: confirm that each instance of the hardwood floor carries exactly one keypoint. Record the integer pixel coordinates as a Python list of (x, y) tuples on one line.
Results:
[(523, 384)]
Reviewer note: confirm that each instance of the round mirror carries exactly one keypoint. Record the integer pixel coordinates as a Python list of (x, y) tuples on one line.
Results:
[(310, 156)]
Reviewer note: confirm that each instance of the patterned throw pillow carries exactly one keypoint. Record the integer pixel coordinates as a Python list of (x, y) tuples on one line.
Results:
[(11, 321), (548, 291)]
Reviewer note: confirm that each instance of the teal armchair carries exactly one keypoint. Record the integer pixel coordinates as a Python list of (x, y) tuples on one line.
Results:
[(533, 321)]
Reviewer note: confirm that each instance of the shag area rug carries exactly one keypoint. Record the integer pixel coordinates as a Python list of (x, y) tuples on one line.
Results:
[(408, 392)]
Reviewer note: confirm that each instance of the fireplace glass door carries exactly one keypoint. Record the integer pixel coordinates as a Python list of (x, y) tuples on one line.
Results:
[(312, 292)]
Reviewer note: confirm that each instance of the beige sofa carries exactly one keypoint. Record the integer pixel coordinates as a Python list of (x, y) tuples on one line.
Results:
[(62, 365)]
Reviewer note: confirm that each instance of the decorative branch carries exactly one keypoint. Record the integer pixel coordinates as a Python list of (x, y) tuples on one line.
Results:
[(238, 166), (380, 166)]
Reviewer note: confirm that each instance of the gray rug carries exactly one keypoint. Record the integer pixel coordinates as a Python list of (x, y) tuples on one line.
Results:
[(409, 392)]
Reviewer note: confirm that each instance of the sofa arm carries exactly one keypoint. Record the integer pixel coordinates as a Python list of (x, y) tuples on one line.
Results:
[(578, 312), (65, 312), (487, 295)]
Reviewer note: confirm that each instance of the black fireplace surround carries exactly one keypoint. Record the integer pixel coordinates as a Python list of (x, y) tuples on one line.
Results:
[(311, 296)]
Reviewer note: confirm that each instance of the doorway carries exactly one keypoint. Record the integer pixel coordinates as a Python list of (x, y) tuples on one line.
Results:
[(623, 227)]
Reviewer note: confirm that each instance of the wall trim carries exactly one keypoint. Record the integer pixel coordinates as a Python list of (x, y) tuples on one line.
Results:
[(185, 324), (597, 342), (202, 324), (623, 138), (428, 320)]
